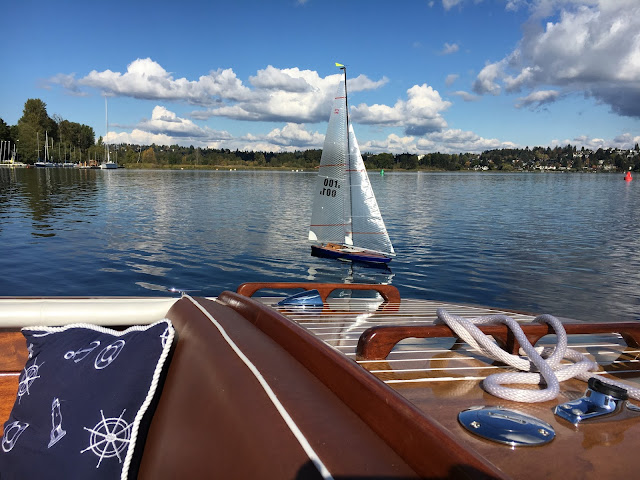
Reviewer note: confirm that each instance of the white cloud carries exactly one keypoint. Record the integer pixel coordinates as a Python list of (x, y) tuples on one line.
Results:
[(466, 96), (538, 98), (592, 48), (419, 114), (487, 79), (140, 137), (456, 141), (451, 78), (449, 4), (288, 80), (165, 121), (626, 140), (166, 128), (146, 79), (68, 82), (445, 141), (289, 95), (450, 48), (295, 135)]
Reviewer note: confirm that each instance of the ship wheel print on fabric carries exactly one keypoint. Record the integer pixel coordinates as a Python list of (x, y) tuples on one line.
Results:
[(28, 376), (109, 438)]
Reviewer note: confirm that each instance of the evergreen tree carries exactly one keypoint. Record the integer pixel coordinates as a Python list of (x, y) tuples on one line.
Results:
[(32, 127)]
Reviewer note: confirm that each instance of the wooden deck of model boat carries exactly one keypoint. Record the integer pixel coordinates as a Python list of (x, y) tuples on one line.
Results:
[(367, 406)]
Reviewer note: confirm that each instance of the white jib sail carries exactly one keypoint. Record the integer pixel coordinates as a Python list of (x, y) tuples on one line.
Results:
[(368, 229)]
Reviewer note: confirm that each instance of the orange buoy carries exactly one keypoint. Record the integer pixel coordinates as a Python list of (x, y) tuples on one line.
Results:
[(628, 177)]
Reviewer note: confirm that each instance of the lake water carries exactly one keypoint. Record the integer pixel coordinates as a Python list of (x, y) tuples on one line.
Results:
[(564, 244)]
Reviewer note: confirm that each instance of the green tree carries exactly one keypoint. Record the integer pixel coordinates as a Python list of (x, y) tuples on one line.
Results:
[(407, 161), (32, 127), (5, 131)]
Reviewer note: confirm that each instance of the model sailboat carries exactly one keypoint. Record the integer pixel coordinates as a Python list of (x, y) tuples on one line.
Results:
[(346, 219)]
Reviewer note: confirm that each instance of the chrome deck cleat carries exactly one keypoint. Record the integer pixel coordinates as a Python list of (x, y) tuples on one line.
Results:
[(601, 401)]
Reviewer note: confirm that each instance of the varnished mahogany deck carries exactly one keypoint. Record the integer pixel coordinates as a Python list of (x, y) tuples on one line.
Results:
[(442, 376)]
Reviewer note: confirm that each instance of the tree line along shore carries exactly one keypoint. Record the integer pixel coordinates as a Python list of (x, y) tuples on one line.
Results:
[(76, 143)]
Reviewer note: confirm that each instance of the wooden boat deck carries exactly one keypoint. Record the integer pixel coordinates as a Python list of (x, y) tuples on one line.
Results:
[(442, 377)]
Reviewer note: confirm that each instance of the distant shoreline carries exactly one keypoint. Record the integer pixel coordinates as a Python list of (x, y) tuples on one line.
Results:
[(313, 170)]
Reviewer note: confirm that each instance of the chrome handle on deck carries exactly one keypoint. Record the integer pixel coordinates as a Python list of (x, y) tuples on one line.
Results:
[(601, 401)]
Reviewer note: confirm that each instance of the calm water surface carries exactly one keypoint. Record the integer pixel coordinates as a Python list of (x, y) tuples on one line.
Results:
[(565, 244)]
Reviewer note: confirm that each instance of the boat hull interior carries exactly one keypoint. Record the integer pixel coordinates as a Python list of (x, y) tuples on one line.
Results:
[(362, 387)]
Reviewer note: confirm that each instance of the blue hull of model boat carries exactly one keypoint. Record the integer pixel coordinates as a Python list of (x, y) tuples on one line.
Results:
[(364, 257)]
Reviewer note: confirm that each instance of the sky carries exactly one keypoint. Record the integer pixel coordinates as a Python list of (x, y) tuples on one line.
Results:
[(448, 76)]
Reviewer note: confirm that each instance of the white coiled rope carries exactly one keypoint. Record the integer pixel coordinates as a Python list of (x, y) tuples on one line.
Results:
[(541, 364)]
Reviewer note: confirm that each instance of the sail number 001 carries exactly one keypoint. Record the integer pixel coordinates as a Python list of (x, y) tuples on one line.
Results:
[(330, 187)]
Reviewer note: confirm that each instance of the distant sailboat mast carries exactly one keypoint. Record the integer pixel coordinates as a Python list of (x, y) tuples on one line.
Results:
[(106, 133)]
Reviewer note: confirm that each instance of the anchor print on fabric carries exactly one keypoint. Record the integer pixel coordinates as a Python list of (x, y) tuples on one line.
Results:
[(82, 353), (109, 438), (164, 337), (11, 434), (56, 420)]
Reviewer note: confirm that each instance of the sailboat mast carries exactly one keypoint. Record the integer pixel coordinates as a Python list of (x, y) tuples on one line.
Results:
[(106, 121), (349, 224), (346, 105)]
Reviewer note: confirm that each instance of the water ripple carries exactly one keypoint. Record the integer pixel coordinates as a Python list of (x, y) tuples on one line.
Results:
[(554, 243)]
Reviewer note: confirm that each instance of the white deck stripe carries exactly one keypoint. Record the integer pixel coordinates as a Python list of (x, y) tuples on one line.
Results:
[(460, 379), (438, 379), (304, 443)]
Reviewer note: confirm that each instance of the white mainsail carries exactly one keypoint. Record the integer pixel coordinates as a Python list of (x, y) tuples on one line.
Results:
[(330, 221), (345, 210)]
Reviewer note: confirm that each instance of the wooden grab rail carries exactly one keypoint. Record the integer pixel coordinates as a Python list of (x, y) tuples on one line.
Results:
[(376, 343), (388, 292)]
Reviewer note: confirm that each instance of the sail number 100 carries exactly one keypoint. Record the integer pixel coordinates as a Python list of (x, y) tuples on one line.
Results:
[(331, 187)]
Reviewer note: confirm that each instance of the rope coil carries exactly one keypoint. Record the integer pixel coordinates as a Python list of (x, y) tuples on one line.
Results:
[(541, 364)]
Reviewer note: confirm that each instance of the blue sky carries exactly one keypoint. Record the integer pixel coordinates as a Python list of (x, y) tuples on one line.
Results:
[(424, 76)]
